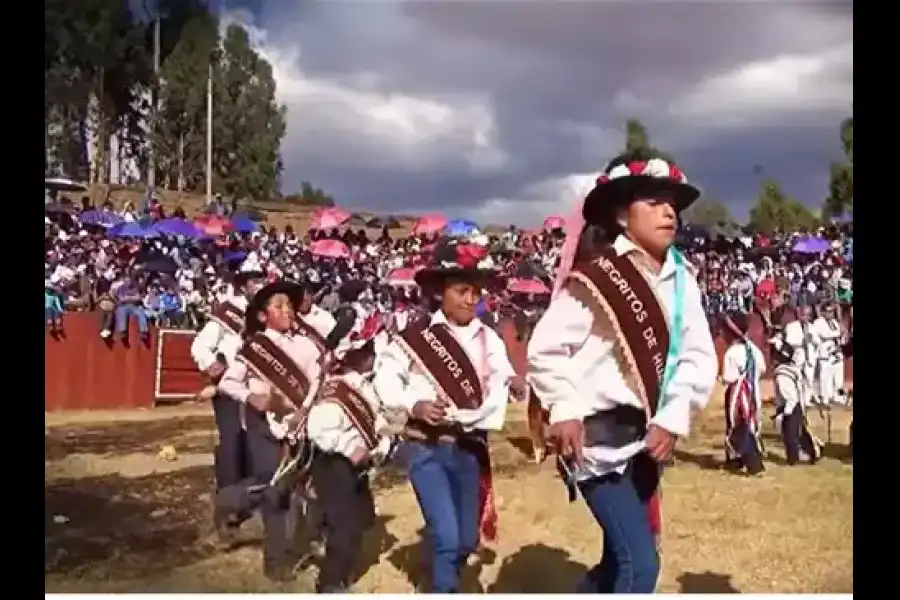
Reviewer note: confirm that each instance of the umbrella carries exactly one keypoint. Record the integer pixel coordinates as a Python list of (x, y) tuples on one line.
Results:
[(329, 218), (63, 184), (811, 245), (551, 223), (402, 277), (527, 286), (132, 229), (101, 218), (460, 227), (429, 224), (212, 226), (175, 226), (389, 222), (242, 224), (252, 213), (330, 249)]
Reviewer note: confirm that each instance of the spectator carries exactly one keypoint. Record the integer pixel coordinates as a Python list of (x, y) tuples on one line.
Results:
[(129, 304)]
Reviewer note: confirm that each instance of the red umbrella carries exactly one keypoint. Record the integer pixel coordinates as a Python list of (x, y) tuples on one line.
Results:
[(429, 224), (527, 286), (330, 249), (551, 223), (212, 225), (329, 218), (402, 277)]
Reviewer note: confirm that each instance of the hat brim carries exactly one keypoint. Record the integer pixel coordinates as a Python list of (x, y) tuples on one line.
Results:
[(433, 278), (623, 190), (294, 292)]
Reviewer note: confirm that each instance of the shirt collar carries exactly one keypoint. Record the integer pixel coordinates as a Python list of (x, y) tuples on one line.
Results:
[(467, 332), (624, 246)]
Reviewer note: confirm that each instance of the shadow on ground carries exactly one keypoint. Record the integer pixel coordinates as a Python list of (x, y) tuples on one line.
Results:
[(706, 583), (538, 569), (127, 528), (130, 437)]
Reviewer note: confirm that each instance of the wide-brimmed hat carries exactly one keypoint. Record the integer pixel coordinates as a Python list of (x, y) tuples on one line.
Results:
[(454, 259), (294, 292), (626, 178)]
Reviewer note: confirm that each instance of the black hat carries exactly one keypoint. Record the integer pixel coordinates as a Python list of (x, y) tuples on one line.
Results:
[(737, 322), (452, 258), (294, 292), (630, 174)]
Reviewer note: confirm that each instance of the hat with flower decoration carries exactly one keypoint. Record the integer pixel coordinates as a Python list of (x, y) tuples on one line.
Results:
[(456, 259), (626, 178)]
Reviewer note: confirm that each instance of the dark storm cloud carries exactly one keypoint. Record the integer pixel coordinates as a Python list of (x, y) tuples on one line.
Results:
[(558, 80)]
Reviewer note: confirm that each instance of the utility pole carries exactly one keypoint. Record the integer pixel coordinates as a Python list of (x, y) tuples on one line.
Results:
[(154, 99), (209, 133)]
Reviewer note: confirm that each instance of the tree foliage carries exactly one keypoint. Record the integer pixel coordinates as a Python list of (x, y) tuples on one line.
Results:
[(840, 186), (774, 211), (310, 195), (99, 84), (709, 214), (637, 141)]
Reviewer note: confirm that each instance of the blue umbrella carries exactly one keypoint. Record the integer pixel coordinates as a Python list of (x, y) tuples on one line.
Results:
[(175, 226), (134, 230), (460, 227), (811, 245), (102, 218), (243, 224)]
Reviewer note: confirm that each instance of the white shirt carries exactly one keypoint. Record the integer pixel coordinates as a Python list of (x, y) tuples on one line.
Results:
[(320, 320), (400, 385), (576, 374), (788, 393), (828, 333), (214, 339), (805, 341), (734, 366), (331, 430)]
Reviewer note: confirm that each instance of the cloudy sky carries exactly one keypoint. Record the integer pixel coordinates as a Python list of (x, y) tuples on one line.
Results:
[(504, 110)]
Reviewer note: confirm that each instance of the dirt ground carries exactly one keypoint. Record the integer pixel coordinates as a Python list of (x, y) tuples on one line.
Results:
[(121, 516)]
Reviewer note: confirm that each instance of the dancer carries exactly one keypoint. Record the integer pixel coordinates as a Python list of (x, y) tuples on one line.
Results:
[(832, 337), (348, 429), (277, 375), (742, 369), (451, 374), (619, 388), (790, 405), (213, 349), (802, 337)]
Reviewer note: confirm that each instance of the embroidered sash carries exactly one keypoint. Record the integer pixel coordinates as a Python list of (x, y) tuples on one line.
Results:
[(618, 294), (355, 406), (229, 316), (435, 351), (303, 328), (273, 365)]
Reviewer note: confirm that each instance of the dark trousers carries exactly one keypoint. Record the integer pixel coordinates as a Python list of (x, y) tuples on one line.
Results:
[(264, 454), (745, 450), (345, 498), (796, 437), (230, 454)]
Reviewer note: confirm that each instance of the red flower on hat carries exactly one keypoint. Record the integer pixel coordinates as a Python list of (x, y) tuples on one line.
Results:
[(637, 167), (468, 255)]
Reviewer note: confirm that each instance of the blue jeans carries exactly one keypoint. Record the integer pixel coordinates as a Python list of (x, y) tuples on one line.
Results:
[(446, 482), (630, 563), (123, 311)]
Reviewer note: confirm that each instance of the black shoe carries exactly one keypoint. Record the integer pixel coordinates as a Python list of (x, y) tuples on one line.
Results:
[(226, 527)]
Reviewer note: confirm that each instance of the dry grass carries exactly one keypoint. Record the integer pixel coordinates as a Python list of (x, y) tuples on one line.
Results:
[(139, 523)]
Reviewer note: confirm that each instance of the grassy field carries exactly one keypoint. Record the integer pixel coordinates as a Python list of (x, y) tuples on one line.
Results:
[(121, 517)]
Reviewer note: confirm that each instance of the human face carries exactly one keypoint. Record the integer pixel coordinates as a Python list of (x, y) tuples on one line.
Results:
[(306, 304), (650, 222), (459, 300), (804, 314), (252, 286), (279, 313)]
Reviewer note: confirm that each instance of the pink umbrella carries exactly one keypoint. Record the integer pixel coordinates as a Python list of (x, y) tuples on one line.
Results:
[(213, 226), (429, 224), (330, 249), (551, 223), (329, 218), (402, 277), (527, 286)]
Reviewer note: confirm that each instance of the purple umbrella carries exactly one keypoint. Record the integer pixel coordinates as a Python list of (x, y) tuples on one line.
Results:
[(134, 230), (175, 226), (102, 218), (811, 245)]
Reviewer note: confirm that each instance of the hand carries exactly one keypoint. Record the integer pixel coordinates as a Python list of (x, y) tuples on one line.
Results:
[(660, 443), (568, 437), (517, 385), (359, 456), (429, 411), (215, 371), (260, 402)]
